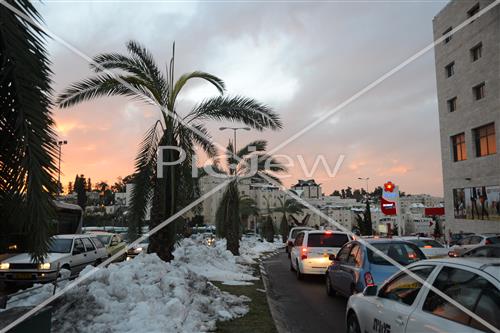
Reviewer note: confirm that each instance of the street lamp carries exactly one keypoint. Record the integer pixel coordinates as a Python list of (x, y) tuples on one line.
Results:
[(59, 145), (234, 132), (366, 180)]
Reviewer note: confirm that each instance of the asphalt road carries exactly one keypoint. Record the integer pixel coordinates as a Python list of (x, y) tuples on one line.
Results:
[(303, 306)]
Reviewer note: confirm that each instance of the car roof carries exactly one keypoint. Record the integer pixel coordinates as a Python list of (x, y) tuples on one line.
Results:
[(71, 236), (95, 233), (314, 231), (488, 265), (415, 237)]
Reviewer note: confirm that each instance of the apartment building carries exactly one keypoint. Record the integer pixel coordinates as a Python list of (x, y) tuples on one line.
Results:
[(468, 87)]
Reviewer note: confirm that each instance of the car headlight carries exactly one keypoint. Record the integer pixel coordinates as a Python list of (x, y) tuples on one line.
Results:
[(4, 265), (45, 265), (138, 249)]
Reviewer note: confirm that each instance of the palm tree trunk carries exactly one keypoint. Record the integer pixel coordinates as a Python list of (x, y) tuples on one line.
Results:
[(232, 219)]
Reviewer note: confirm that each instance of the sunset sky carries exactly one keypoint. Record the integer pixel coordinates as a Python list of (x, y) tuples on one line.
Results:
[(302, 59)]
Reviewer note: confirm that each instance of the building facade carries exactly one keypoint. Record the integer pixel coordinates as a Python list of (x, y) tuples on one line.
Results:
[(468, 86)]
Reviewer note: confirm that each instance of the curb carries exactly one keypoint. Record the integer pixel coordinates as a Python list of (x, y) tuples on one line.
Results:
[(276, 314)]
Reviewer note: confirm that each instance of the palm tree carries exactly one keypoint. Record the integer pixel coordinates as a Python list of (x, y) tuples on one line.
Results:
[(251, 158), (28, 146), (287, 206), (141, 79)]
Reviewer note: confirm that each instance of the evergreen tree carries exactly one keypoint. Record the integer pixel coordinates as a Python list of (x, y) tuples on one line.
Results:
[(437, 227), (80, 190), (70, 187), (336, 193)]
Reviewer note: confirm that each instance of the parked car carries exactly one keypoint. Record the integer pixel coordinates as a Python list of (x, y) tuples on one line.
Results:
[(430, 247), (291, 237), (457, 237), (471, 242), (357, 266), (488, 251), (312, 249), (137, 249), (112, 242), (71, 252), (404, 304)]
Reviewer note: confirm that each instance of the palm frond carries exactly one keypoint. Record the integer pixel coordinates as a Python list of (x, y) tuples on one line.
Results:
[(105, 85), (148, 65), (181, 82), (238, 109), (144, 175), (254, 146), (27, 145)]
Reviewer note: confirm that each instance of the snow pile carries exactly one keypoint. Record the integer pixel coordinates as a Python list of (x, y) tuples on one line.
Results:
[(217, 264), (148, 295), (145, 295)]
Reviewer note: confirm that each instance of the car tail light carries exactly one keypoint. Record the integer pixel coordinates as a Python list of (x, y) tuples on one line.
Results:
[(369, 279), (303, 253), (488, 242), (452, 254), (328, 232)]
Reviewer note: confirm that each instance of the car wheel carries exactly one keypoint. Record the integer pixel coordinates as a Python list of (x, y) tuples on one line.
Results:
[(353, 324), (300, 276), (329, 290)]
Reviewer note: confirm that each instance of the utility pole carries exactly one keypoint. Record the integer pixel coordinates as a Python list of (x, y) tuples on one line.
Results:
[(59, 185)]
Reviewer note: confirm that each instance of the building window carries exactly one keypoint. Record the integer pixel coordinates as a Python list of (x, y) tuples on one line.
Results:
[(447, 39), (485, 140), (474, 10), (478, 91), (476, 52), (450, 69), (452, 104), (459, 149)]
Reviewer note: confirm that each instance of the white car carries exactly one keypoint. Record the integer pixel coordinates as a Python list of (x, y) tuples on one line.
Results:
[(71, 252), (470, 242), (429, 246), (404, 304), (291, 237), (312, 249)]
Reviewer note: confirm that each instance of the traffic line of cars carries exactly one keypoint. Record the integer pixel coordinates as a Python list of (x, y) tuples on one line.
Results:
[(382, 298)]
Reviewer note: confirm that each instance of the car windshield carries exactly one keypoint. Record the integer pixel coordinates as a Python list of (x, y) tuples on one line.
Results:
[(59, 245), (104, 238), (426, 243), (494, 240), (402, 253), (327, 239), (296, 231)]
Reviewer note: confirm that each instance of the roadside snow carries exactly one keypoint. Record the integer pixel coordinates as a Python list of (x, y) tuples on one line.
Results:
[(149, 295), (217, 264)]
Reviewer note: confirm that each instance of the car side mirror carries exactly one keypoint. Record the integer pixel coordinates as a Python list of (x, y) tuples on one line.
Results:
[(370, 290), (332, 257)]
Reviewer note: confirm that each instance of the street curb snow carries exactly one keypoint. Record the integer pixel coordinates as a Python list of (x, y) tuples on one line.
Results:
[(276, 314)]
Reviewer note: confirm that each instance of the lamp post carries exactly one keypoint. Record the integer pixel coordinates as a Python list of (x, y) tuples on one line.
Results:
[(59, 145), (366, 180), (234, 133)]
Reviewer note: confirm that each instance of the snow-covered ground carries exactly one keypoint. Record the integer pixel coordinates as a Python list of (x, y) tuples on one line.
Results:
[(149, 295)]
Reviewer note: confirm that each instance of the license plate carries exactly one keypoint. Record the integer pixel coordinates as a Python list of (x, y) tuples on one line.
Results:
[(23, 276)]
